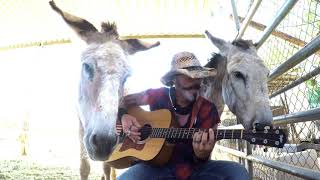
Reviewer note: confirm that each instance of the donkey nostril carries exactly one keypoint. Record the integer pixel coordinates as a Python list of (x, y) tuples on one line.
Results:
[(261, 126), (257, 126), (94, 141)]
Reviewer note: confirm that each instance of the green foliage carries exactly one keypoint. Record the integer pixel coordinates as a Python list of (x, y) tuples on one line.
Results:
[(313, 93)]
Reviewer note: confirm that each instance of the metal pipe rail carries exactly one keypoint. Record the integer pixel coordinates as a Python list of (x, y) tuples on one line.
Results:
[(235, 15), (294, 170), (285, 9), (312, 47), (309, 115), (295, 83), (253, 9)]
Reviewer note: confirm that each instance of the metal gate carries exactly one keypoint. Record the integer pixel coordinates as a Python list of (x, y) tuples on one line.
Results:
[(289, 45)]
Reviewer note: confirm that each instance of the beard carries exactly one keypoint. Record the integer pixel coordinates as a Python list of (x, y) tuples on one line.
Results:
[(190, 96)]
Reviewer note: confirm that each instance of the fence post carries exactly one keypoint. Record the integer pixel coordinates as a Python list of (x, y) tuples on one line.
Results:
[(285, 9), (249, 165), (235, 14), (254, 7)]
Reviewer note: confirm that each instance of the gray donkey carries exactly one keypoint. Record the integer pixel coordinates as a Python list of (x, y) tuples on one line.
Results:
[(240, 83), (104, 72)]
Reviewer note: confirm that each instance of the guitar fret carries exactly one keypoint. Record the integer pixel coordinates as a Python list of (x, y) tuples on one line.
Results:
[(162, 133), (232, 134), (177, 133), (154, 132), (217, 131), (193, 131), (185, 132), (173, 135), (157, 132)]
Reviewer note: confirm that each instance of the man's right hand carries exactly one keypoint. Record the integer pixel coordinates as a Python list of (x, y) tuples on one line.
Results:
[(130, 127)]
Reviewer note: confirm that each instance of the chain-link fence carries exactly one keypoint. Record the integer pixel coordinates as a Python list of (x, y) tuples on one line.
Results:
[(289, 93)]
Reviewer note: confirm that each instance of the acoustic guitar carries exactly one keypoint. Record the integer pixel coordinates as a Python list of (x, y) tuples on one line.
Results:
[(156, 129)]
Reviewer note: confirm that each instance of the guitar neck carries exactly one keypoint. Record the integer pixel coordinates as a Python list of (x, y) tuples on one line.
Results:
[(187, 133), (271, 137)]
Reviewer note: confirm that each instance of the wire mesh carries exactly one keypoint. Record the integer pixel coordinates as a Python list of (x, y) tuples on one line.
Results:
[(297, 29)]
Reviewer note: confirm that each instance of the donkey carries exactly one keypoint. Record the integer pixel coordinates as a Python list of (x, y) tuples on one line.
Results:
[(240, 83), (104, 72)]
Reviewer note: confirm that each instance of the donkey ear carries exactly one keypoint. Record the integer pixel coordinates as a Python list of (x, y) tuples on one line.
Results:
[(222, 45), (82, 27), (134, 45)]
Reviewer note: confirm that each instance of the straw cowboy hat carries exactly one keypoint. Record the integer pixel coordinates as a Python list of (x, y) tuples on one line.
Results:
[(186, 63)]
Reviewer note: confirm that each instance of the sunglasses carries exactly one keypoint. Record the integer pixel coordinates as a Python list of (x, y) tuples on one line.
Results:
[(194, 87)]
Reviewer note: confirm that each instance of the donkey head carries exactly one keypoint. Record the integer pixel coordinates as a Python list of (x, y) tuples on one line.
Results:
[(104, 72), (244, 82)]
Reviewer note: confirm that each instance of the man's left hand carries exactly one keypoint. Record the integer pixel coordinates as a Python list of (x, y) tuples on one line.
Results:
[(202, 144)]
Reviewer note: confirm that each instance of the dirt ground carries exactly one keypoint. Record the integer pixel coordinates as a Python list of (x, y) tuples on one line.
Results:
[(23, 169)]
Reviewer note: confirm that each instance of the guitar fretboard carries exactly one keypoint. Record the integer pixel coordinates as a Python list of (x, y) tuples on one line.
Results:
[(187, 133), (269, 137)]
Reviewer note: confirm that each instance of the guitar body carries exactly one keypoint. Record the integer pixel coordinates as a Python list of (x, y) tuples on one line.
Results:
[(153, 150)]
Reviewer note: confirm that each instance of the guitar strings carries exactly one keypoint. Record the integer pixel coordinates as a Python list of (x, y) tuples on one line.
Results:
[(148, 129), (186, 132), (258, 140)]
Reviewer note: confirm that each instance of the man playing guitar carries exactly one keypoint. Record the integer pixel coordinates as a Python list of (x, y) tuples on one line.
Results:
[(190, 158)]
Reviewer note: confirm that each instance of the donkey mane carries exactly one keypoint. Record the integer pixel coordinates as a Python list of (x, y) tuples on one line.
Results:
[(243, 44), (109, 28), (218, 62)]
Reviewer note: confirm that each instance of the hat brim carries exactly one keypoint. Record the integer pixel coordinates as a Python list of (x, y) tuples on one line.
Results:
[(195, 74)]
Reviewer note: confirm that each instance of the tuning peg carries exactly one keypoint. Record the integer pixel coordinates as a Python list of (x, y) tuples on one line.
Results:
[(265, 141), (253, 140)]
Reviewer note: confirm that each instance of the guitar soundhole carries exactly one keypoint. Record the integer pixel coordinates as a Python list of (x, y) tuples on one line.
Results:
[(145, 132)]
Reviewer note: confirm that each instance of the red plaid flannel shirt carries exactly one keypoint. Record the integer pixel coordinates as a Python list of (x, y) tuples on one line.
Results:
[(182, 158)]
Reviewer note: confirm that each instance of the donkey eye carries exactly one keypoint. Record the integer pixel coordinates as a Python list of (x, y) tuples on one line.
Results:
[(238, 75), (89, 70)]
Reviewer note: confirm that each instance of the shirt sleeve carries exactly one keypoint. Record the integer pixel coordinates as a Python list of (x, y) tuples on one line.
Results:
[(153, 95), (215, 115), (209, 115)]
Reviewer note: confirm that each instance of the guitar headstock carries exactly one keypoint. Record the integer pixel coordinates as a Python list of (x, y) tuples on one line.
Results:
[(268, 137)]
